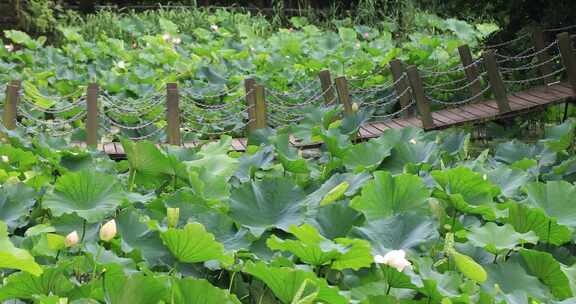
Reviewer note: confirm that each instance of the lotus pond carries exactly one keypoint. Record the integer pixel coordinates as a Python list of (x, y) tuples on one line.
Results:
[(409, 217)]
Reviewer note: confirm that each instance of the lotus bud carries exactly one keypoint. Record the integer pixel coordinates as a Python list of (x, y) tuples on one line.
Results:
[(290, 29), (71, 239), (357, 45), (394, 258), (172, 215), (108, 231), (354, 107), (413, 141), (366, 35)]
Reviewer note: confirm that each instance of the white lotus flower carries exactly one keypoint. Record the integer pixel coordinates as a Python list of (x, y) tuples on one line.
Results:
[(9, 47), (177, 40), (166, 37), (121, 64), (354, 107), (214, 27), (5, 159), (394, 258), (358, 45), (71, 239), (413, 141), (108, 231)]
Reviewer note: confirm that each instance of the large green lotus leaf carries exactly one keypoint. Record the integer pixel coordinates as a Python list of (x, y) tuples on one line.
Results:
[(437, 285), (543, 266), (193, 209), (313, 248), (509, 180), (15, 258), (151, 165), (386, 195), (454, 143), (15, 202), (511, 277), (285, 283), (23, 285), (402, 231), (267, 203), (336, 220), (496, 238), (473, 187), (90, 194), (288, 156), (559, 138), (137, 288), (334, 186), (250, 163), (367, 155), (525, 219), (407, 152), (556, 198), (197, 291), (139, 240), (514, 151), (192, 244)]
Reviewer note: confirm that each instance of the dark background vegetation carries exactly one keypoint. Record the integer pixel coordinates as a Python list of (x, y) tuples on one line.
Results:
[(512, 15)]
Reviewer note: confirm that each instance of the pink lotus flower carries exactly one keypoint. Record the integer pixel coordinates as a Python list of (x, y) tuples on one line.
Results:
[(366, 35), (166, 37), (9, 47)]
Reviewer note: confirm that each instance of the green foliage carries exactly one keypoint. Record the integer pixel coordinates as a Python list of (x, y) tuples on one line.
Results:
[(253, 228)]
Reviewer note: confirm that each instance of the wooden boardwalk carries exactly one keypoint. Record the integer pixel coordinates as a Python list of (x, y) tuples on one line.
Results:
[(534, 99)]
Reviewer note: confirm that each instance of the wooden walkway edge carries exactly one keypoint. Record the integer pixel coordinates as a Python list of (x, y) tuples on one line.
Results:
[(534, 99)]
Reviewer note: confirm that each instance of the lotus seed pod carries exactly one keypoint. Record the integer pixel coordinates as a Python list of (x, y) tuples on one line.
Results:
[(354, 107), (172, 215)]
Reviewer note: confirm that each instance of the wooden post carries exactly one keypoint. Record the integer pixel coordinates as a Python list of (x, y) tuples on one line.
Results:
[(471, 71), (495, 79), (173, 114), (397, 69), (250, 93), (92, 115), (343, 94), (421, 101), (568, 58), (326, 84), (260, 97), (11, 105), (539, 44)]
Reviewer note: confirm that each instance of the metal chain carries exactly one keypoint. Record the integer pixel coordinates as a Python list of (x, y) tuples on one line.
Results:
[(497, 45), (443, 84), (227, 104), (108, 101), (467, 85), (505, 70), (558, 29), (521, 57), (283, 104), (406, 107), (156, 119), (380, 88), (461, 101), (80, 102), (196, 130), (562, 69), (296, 94), (205, 96), (52, 123)]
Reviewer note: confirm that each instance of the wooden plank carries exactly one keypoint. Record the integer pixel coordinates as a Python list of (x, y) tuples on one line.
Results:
[(487, 111), (402, 122), (413, 121), (533, 99), (470, 108), (454, 117), (519, 103), (391, 125), (119, 149), (237, 145), (380, 126), (243, 142), (375, 132), (561, 88), (465, 115), (549, 96), (529, 102), (190, 144), (441, 119), (110, 148), (363, 133)]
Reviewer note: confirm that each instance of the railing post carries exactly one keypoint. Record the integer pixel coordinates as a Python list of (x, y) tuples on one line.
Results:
[(568, 58), (249, 91), (343, 94), (495, 79), (172, 114), (543, 57), (327, 88), (397, 69), (11, 105), (471, 71), (260, 110), (92, 115), (421, 101)]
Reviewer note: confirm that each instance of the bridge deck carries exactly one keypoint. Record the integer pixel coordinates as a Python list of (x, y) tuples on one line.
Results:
[(531, 100)]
